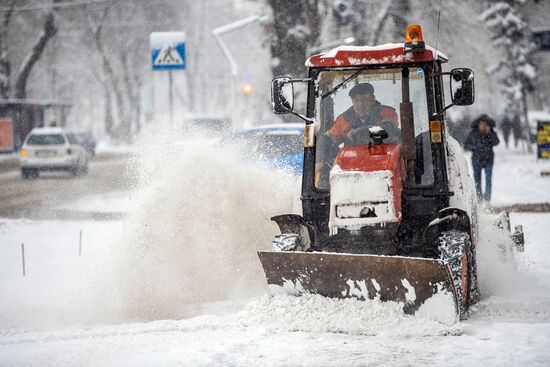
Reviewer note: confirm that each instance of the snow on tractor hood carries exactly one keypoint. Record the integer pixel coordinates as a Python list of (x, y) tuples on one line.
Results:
[(390, 53)]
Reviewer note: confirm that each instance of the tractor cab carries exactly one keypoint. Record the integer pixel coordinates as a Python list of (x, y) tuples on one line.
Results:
[(394, 156), (381, 192)]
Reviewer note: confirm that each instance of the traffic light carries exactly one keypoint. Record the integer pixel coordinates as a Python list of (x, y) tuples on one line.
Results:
[(247, 89)]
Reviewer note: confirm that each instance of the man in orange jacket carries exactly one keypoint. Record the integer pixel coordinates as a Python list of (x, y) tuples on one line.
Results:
[(352, 126)]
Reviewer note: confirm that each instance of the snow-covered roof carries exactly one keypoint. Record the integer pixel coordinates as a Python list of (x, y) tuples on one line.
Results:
[(42, 102), (538, 115), (291, 127), (534, 116), (48, 130), (390, 53)]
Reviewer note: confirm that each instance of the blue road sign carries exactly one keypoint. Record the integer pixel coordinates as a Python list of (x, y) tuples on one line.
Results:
[(168, 50)]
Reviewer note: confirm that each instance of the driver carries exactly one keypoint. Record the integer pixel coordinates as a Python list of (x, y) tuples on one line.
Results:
[(351, 127)]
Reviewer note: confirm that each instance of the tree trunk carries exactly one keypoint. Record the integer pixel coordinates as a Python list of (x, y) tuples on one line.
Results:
[(5, 65), (359, 23), (115, 94), (295, 29), (129, 117), (108, 111), (526, 129), (49, 30), (379, 22)]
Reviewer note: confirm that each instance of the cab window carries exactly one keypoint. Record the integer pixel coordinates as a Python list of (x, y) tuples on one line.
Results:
[(46, 139), (350, 102)]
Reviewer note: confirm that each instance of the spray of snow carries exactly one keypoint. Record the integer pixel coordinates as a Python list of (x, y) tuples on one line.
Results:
[(316, 314), (410, 296), (440, 307), (202, 215), (495, 258), (509, 289)]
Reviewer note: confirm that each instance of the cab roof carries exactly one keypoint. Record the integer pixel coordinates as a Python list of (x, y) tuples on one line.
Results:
[(288, 128), (48, 130), (391, 53)]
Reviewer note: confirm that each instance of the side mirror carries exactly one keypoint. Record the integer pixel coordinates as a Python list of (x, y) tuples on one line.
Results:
[(282, 95), (462, 87)]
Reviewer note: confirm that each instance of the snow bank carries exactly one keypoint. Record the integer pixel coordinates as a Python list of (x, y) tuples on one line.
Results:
[(202, 214), (56, 288), (317, 314), (510, 285), (495, 257)]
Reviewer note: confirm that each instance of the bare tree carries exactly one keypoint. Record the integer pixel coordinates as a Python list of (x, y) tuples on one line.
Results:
[(114, 106), (19, 90), (518, 71), (296, 27), (118, 37), (48, 32), (5, 65)]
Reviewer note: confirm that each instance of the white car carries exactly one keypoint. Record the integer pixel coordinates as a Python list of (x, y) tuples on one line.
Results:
[(52, 149)]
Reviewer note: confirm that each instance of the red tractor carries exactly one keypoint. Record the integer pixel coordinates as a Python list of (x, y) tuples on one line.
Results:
[(388, 210)]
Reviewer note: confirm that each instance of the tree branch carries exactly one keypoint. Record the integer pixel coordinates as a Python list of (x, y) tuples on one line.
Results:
[(47, 33), (5, 65)]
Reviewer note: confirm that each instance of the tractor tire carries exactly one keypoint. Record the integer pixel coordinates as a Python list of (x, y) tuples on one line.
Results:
[(287, 242), (456, 250), (29, 173), (25, 173), (79, 171)]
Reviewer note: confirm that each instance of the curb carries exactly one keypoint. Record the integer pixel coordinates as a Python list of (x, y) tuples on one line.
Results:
[(12, 163)]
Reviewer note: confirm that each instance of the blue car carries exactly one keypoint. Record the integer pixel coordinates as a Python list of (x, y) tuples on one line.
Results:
[(277, 145)]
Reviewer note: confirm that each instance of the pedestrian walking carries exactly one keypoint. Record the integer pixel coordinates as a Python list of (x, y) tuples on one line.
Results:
[(506, 128), (516, 129), (481, 141)]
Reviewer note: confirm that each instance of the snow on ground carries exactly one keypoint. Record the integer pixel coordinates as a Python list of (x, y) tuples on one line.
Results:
[(517, 177), (178, 283), (51, 292), (4, 157), (112, 202)]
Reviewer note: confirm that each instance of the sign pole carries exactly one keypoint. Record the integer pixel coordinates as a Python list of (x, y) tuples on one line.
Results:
[(171, 98), (168, 54), (23, 257)]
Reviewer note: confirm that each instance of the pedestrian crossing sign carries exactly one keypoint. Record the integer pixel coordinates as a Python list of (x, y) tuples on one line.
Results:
[(168, 50)]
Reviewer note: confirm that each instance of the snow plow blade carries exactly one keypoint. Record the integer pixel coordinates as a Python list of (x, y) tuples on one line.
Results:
[(409, 280)]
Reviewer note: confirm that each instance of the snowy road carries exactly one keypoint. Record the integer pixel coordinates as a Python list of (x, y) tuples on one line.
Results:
[(42, 197), (178, 282), (510, 327)]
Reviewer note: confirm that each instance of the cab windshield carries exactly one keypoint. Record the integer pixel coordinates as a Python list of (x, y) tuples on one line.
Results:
[(46, 139), (349, 102)]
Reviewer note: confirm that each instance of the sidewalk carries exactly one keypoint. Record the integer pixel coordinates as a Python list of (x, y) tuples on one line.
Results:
[(518, 178), (10, 162)]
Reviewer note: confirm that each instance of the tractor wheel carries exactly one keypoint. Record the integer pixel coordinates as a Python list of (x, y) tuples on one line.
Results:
[(455, 249), (29, 173), (287, 242), (25, 173)]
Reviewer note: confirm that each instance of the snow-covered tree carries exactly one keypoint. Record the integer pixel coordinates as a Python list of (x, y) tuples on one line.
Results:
[(295, 29), (299, 26), (19, 88), (117, 38), (369, 21), (517, 70)]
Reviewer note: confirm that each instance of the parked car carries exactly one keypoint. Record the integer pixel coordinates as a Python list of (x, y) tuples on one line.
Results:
[(51, 149), (214, 125), (84, 139), (276, 145)]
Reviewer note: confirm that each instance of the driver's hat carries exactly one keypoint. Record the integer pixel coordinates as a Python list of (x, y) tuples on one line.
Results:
[(360, 89)]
